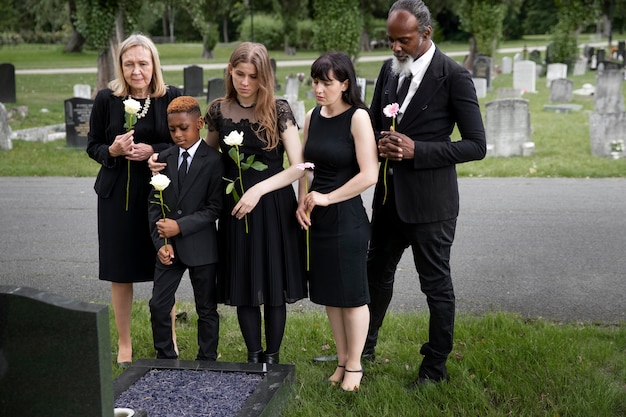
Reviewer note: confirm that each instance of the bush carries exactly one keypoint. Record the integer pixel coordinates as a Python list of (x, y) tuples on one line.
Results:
[(268, 30)]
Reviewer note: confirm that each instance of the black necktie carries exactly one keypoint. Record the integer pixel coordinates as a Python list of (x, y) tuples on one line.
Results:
[(182, 170), (404, 88)]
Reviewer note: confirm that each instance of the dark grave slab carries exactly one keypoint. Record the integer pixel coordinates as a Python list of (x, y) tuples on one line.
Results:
[(77, 113), (7, 83), (194, 80), (482, 68), (55, 355), (167, 387), (216, 88)]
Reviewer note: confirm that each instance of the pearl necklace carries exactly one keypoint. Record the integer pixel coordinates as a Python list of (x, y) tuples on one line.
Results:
[(144, 109)]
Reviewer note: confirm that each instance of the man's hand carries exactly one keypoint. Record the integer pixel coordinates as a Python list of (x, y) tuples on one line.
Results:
[(395, 146), (167, 228)]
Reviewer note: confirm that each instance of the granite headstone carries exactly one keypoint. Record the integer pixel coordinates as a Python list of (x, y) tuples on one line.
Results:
[(7, 83), (55, 355), (216, 88), (77, 114), (5, 130), (193, 80)]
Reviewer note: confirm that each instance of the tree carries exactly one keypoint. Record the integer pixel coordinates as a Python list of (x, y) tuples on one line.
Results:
[(76, 41), (482, 19), (103, 23), (573, 15), (337, 26), (291, 11)]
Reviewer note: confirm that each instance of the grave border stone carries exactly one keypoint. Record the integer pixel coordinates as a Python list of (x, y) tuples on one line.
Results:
[(268, 399)]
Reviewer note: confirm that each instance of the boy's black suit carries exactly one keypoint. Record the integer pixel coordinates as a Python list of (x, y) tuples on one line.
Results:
[(195, 208)]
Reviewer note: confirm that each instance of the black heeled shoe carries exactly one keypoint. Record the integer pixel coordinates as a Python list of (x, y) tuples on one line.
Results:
[(255, 357), (271, 358)]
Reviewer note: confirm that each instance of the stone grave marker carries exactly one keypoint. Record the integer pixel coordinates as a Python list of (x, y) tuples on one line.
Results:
[(482, 68), (561, 90), (580, 67), (507, 127), (77, 113), (600, 55), (276, 83), (193, 78), (82, 91), (525, 76), (216, 88), (535, 56), (292, 85), (509, 93), (554, 72), (480, 84), (608, 92), (362, 83), (7, 83), (605, 128), (507, 65), (55, 355), (5, 130)]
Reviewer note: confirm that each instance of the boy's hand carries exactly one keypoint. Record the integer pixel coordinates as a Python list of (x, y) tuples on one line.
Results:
[(166, 254), (167, 228)]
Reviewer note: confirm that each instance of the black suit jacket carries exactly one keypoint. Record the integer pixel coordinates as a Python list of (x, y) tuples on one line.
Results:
[(426, 188), (196, 207)]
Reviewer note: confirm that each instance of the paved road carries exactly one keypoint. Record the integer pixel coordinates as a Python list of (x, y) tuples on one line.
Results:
[(552, 248)]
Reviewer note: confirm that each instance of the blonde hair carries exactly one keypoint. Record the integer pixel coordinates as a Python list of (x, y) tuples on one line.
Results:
[(119, 85), (265, 106)]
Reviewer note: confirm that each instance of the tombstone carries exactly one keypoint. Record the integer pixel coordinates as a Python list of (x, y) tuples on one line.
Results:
[(82, 91), (554, 72), (507, 65), (482, 68), (292, 86), (276, 83), (509, 93), (561, 90), (480, 84), (524, 76), (216, 88), (580, 67), (517, 57), (193, 78), (362, 83), (608, 93), (605, 128), (297, 107), (609, 65), (600, 55), (55, 355), (535, 56), (5, 130), (7, 81), (507, 126), (77, 113), (621, 51)]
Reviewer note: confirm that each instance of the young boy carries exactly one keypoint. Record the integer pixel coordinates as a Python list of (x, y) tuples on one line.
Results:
[(189, 228)]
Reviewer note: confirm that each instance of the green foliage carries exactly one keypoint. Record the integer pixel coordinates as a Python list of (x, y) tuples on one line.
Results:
[(268, 30), (483, 19), (338, 26)]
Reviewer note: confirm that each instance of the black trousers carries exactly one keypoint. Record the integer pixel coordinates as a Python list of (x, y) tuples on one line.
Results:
[(431, 244), (166, 281)]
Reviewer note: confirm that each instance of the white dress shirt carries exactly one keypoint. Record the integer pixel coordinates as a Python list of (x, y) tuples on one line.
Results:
[(418, 69)]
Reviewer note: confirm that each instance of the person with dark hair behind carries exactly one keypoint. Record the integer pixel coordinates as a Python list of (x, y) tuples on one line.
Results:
[(339, 141)]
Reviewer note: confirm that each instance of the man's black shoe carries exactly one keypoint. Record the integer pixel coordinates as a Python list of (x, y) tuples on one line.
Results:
[(423, 382)]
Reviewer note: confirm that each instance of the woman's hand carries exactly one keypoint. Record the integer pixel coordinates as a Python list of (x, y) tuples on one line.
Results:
[(140, 152), (155, 167), (246, 203), (166, 254), (122, 145), (314, 198), (303, 216)]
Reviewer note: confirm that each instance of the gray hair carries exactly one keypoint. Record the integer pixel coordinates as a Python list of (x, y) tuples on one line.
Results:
[(417, 8)]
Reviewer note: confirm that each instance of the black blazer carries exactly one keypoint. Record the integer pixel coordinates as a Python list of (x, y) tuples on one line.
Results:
[(426, 188), (196, 207)]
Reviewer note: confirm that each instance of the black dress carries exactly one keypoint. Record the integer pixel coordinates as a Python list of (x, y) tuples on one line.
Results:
[(266, 264), (126, 251), (339, 233)]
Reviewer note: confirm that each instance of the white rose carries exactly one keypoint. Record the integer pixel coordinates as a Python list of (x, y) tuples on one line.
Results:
[(160, 182), (131, 106), (234, 138)]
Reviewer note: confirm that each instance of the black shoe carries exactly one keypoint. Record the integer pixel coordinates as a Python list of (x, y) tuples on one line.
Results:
[(271, 358), (124, 365), (369, 356), (255, 357)]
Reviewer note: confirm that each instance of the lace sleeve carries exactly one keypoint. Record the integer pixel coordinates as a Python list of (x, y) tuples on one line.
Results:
[(212, 115), (284, 114)]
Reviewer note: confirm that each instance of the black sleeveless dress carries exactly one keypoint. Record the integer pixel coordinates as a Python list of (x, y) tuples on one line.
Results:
[(339, 233), (264, 265)]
